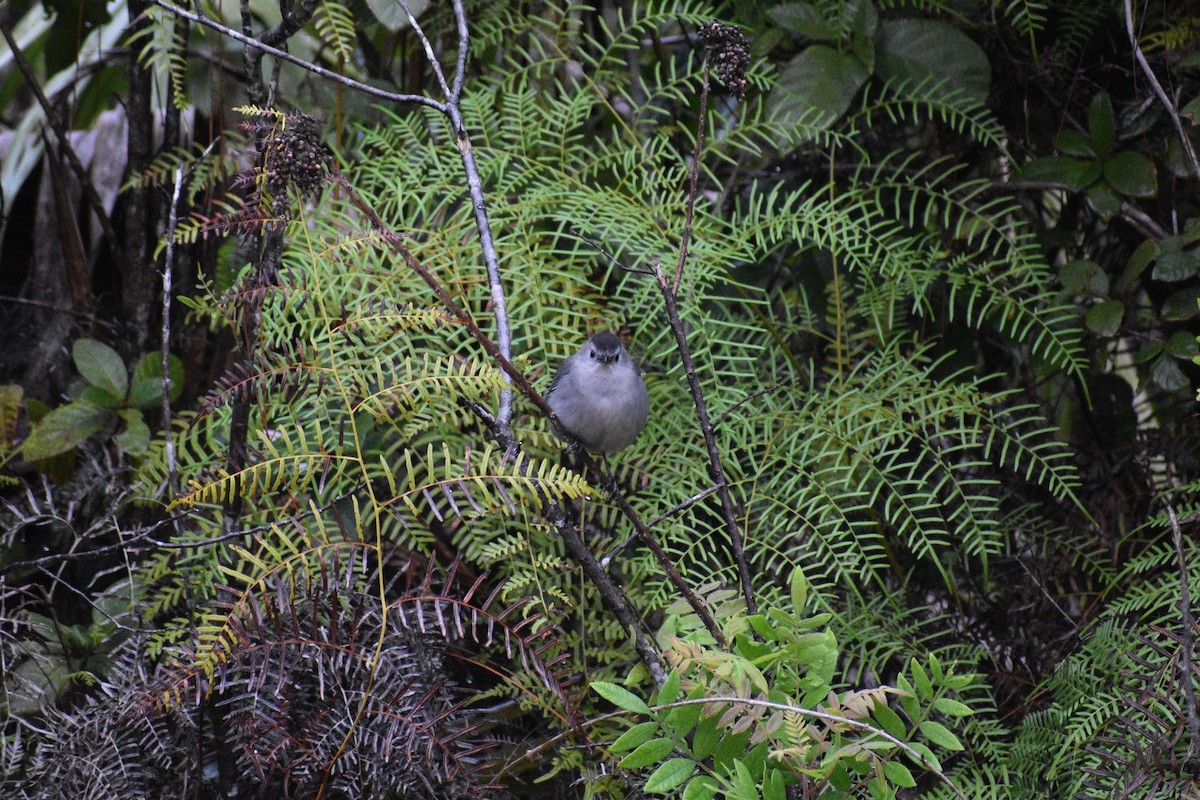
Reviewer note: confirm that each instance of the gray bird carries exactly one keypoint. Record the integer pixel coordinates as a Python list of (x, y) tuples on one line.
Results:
[(599, 397)]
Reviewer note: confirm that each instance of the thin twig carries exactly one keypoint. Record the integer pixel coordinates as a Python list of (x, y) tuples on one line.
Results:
[(693, 175), (715, 470), (165, 343), (1140, 57), (283, 55), (453, 110), (681, 506), (1187, 641)]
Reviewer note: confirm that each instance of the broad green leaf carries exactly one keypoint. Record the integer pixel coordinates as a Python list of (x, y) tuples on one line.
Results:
[(1074, 143), (669, 692), (818, 85), (1174, 263), (671, 775), (804, 19), (799, 591), (1143, 256), (898, 774), (101, 398), (1104, 200), (145, 390), (940, 735), (774, 786), (1132, 174), (634, 737), (1104, 319), (703, 787), (1182, 344), (888, 720), (135, 438), (1166, 373), (64, 429), (620, 697), (918, 49), (1076, 175), (648, 753), (706, 739), (1181, 305), (1084, 277), (921, 679), (1102, 124), (951, 708), (100, 366)]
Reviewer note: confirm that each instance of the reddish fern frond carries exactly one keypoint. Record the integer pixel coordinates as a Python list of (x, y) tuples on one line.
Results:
[(281, 375)]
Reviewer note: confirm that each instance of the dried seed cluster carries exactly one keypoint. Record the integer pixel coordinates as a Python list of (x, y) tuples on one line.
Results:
[(295, 154), (728, 54)]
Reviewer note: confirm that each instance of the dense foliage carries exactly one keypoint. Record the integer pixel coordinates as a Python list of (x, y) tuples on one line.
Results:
[(913, 286)]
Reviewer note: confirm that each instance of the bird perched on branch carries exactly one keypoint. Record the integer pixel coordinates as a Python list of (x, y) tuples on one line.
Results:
[(599, 397)]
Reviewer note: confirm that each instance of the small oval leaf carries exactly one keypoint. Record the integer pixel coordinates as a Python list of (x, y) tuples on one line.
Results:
[(100, 366)]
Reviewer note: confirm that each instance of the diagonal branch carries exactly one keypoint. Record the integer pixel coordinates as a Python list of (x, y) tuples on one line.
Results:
[(396, 243), (1161, 93)]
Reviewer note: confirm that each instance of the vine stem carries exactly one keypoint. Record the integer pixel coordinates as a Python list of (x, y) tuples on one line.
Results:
[(670, 293)]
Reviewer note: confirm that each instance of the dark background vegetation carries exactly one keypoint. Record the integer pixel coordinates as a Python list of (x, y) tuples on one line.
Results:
[(941, 286)]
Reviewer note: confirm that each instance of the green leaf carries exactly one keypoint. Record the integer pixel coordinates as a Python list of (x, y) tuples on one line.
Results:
[(1166, 373), (669, 691), (1181, 305), (1143, 256), (817, 85), (898, 774), (940, 735), (101, 398), (703, 787), (799, 591), (707, 737), (135, 438), (804, 19), (1174, 263), (1132, 174), (648, 753), (64, 429), (145, 390), (1076, 175), (634, 737), (919, 49), (100, 366), (1104, 200), (1084, 277), (951, 708), (669, 776), (1147, 352), (1182, 344), (774, 786), (888, 720), (921, 680), (620, 697), (1102, 125), (1074, 143), (1104, 319)]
